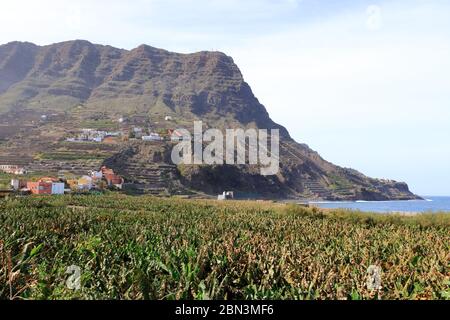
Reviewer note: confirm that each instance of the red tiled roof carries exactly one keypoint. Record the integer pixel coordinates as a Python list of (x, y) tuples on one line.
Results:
[(113, 179)]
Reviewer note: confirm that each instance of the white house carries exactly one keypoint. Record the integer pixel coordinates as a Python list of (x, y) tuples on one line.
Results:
[(226, 195), (96, 175), (85, 183), (12, 169), (17, 184), (112, 133), (152, 137), (168, 118), (57, 188)]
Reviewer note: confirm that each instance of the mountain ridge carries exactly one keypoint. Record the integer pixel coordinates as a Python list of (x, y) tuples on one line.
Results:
[(85, 82)]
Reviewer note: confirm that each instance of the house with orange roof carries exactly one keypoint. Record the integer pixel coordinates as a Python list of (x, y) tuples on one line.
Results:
[(46, 185), (114, 180)]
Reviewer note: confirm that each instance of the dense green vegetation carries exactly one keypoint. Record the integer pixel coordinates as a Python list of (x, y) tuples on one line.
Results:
[(5, 180), (150, 248), (100, 124)]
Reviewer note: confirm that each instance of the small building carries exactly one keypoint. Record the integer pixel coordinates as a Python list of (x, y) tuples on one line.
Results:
[(137, 133), (96, 175), (12, 169), (40, 187), (46, 185), (18, 184), (114, 180), (175, 135), (152, 137), (113, 134), (226, 195), (58, 188), (85, 183), (73, 184), (168, 118)]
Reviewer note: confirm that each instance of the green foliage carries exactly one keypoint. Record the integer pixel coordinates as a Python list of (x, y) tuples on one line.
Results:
[(68, 156), (100, 124), (152, 248)]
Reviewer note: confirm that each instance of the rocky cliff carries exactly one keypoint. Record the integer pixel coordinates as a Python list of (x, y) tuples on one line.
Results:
[(84, 82)]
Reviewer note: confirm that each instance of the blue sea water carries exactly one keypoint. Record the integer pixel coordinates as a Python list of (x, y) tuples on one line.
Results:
[(430, 204)]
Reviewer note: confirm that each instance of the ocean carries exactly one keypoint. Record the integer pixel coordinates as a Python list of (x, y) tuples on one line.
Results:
[(430, 204)]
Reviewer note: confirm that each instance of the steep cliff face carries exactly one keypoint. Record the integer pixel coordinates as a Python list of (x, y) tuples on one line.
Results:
[(86, 81), (202, 84)]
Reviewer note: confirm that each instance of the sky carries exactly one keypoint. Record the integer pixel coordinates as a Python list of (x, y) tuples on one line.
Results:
[(365, 83)]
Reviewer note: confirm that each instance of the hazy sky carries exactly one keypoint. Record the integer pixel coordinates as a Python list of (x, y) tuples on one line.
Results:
[(365, 83)]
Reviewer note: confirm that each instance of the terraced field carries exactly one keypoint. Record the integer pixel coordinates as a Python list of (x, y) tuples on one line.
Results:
[(156, 248)]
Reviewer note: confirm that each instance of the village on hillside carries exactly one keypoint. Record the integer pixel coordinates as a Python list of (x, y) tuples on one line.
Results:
[(129, 132), (24, 180), (100, 180), (56, 153)]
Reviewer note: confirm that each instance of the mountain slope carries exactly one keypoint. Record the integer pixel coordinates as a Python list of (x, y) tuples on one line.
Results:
[(84, 83)]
